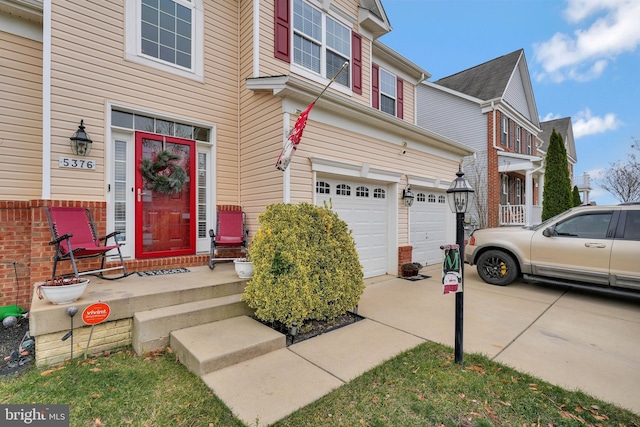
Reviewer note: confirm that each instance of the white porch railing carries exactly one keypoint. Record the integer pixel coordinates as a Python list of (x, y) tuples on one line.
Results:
[(517, 215), (513, 214)]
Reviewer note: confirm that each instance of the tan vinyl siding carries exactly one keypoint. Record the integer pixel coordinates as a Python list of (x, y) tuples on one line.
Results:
[(261, 143), (20, 118), (89, 70)]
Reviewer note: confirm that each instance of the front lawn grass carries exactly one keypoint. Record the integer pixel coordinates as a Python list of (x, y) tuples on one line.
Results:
[(420, 387)]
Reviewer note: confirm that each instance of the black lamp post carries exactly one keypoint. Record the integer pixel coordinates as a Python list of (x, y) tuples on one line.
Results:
[(80, 141), (460, 195)]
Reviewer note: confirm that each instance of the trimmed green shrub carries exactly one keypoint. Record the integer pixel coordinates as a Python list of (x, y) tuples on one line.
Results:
[(306, 265)]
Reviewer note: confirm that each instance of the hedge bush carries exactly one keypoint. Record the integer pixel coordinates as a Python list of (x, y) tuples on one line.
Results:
[(306, 265)]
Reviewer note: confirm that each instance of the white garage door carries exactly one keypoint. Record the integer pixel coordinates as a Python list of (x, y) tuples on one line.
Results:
[(428, 226), (363, 206)]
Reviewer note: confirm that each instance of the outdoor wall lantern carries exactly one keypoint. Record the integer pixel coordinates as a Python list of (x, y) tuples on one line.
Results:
[(407, 196), (80, 141), (460, 196)]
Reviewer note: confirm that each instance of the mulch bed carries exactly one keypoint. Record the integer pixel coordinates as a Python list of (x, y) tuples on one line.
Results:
[(9, 341), (313, 328)]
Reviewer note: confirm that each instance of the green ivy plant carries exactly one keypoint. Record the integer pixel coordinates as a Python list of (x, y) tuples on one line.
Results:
[(305, 265)]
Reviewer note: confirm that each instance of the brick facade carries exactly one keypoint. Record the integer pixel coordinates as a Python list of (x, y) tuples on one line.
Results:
[(25, 249), (493, 176), (405, 254)]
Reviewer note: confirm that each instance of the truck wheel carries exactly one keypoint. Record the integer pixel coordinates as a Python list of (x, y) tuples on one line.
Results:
[(497, 267)]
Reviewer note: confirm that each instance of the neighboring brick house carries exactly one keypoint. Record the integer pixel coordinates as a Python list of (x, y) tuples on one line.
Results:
[(491, 107), (221, 83)]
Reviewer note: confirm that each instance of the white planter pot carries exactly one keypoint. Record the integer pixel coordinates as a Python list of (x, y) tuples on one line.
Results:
[(244, 268), (64, 294)]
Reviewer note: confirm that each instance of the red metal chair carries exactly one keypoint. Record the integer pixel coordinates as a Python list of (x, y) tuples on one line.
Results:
[(231, 233), (75, 238)]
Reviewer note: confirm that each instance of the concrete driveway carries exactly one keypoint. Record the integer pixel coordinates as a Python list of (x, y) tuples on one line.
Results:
[(575, 339)]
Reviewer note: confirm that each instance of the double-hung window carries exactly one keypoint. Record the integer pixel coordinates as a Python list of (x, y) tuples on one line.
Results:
[(166, 34), (388, 94), (504, 136), (320, 43)]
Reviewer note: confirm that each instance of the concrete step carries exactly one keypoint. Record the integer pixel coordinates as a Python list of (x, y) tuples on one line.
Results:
[(209, 347), (151, 328)]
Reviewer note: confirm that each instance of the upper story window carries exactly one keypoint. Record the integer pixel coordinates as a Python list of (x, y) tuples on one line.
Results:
[(387, 92), (166, 34), (320, 43), (518, 135), (504, 135), (530, 143)]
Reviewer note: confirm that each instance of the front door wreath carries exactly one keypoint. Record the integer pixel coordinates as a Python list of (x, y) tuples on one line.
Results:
[(164, 175)]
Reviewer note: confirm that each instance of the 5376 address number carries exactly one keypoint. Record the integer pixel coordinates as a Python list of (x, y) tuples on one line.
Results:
[(68, 162)]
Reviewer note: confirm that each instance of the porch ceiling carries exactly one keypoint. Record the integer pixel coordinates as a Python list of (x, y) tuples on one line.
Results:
[(512, 162)]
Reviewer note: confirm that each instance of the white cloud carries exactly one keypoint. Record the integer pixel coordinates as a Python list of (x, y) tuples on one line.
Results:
[(584, 123), (550, 116), (585, 54)]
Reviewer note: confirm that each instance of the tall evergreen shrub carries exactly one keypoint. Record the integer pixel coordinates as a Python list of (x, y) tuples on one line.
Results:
[(577, 201), (556, 196), (306, 265)]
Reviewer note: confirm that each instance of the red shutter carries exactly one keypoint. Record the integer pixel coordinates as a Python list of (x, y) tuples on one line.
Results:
[(356, 63), (282, 43), (400, 95), (375, 86)]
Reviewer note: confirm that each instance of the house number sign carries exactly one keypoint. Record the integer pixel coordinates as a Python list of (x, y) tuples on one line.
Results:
[(68, 162)]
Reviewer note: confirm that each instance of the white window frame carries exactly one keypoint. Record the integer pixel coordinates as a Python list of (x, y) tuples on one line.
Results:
[(393, 96), (518, 147), (504, 141), (133, 49), (310, 73)]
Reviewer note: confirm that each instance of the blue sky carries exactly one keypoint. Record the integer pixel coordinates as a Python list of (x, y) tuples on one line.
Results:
[(583, 58)]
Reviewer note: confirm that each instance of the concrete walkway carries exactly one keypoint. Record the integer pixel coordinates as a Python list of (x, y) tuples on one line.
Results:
[(573, 339)]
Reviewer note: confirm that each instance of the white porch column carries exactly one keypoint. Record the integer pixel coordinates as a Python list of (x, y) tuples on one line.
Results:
[(528, 197)]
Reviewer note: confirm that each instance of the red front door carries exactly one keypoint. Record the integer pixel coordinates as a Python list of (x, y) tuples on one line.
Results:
[(165, 196)]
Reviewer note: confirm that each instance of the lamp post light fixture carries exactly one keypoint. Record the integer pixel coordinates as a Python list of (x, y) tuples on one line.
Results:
[(80, 141), (460, 195), (407, 196)]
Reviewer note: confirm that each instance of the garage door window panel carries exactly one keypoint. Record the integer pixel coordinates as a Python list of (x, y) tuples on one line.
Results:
[(379, 193), (362, 191), (343, 190), (323, 187)]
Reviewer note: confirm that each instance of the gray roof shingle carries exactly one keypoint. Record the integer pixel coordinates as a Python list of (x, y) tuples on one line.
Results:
[(485, 81)]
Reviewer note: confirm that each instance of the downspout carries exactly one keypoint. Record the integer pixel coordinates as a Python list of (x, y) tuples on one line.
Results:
[(46, 100), (422, 78)]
